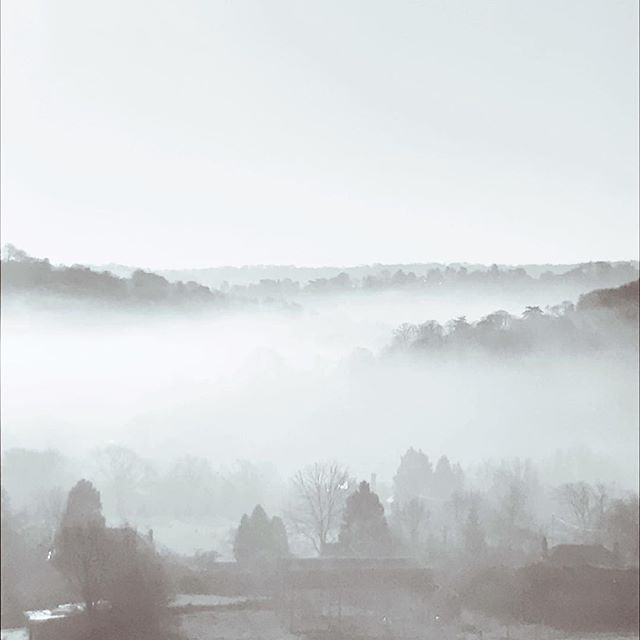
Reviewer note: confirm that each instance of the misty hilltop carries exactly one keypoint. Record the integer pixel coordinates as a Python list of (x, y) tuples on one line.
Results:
[(291, 280), (353, 362), (593, 318), (23, 275), (601, 318)]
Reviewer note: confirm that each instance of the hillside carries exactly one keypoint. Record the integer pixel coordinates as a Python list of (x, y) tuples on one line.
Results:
[(22, 275)]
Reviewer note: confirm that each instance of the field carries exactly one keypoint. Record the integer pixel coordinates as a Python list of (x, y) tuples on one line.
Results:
[(228, 625), (14, 634), (265, 625)]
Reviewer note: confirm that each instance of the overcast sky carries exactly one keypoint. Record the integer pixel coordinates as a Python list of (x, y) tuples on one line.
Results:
[(201, 133)]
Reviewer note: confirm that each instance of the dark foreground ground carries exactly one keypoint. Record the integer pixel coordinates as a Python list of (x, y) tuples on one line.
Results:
[(207, 618), (265, 625)]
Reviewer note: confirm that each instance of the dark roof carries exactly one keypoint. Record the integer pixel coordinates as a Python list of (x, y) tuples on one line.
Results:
[(129, 535), (579, 555), (349, 562), (381, 573)]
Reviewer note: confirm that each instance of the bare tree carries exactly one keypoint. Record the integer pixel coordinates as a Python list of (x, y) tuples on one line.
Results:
[(51, 508), (601, 496), (579, 498), (622, 528), (123, 470), (319, 494)]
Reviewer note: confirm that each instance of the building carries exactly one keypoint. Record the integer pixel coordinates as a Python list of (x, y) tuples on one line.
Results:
[(378, 596), (582, 555)]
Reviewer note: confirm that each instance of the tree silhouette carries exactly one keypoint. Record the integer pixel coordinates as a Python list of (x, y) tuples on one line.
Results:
[(123, 470), (11, 553), (260, 540), (81, 547), (445, 479), (364, 530), (413, 478), (319, 494), (579, 499)]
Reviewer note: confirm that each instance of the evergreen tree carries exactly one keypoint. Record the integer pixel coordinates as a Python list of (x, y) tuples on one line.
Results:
[(84, 506), (413, 478), (364, 529), (260, 535), (11, 553), (260, 539), (242, 542), (81, 547), (444, 479)]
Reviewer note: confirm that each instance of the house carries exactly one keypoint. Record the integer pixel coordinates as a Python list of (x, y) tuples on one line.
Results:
[(384, 573), (374, 594), (582, 555)]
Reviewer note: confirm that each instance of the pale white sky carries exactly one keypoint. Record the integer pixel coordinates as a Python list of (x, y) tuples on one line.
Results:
[(181, 133)]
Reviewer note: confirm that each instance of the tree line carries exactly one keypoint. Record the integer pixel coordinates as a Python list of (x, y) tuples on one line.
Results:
[(22, 273), (26, 274), (600, 319), (435, 512), (588, 275)]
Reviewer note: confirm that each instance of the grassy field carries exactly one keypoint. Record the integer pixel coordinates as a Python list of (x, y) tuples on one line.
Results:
[(251, 624), (228, 625)]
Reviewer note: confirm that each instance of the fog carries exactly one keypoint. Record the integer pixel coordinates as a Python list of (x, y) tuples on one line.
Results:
[(356, 439), (290, 387), (319, 321)]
